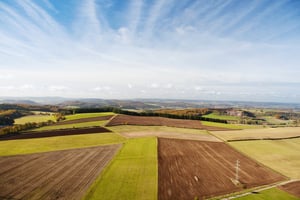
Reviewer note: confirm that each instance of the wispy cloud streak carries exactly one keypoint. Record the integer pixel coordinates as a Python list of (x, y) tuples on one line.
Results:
[(156, 47)]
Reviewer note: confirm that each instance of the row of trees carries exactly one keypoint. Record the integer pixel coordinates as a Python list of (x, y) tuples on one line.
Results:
[(146, 113), (7, 117), (23, 127)]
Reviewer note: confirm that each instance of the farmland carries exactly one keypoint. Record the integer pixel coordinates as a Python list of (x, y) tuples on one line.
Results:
[(53, 133), (186, 160), (208, 171), (266, 133), (217, 116), (71, 125), (137, 128), (273, 193), (281, 155), (231, 126), (87, 119), (160, 121), (292, 188), (88, 115), (131, 175), (34, 118), (16, 147), (55, 175)]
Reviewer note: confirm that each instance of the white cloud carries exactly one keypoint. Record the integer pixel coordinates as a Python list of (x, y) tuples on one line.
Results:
[(124, 35), (168, 86), (9, 87), (57, 88), (198, 88), (26, 87), (102, 88), (154, 85), (6, 76), (130, 86)]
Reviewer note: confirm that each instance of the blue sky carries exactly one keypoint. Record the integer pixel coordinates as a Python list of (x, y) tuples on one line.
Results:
[(188, 49)]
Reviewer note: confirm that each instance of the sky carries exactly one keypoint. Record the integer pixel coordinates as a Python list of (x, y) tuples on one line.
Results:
[(123, 49)]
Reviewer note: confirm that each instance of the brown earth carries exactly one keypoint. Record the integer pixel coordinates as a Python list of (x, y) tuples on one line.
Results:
[(160, 121), (189, 169), (162, 134), (52, 133), (292, 188), (90, 119), (53, 175)]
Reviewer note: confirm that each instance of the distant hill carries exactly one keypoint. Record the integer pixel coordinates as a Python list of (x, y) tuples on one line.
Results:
[(143, 104)]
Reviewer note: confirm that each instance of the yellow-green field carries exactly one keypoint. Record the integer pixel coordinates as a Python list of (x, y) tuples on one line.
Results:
[(217, 116), (34, 118), (258, 133), (273, 193), (87, 115), (76, 125), (131, 175), (26, 146), (230, 126), (280, 155)]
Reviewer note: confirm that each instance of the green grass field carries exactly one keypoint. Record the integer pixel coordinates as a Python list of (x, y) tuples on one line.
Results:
[(280, 155), (231, 126), (131, 175), (76, 125), (26, 146), (34, 118), (87, 115), (273, 193), (217, 116), (134, 128)]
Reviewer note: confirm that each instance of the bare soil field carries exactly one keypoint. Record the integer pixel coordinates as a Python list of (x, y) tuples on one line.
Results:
[(292, 188), (63, 174), (160, 121), (189, 169), (52, 133), (201, 137), (259, 134), (90, 119)]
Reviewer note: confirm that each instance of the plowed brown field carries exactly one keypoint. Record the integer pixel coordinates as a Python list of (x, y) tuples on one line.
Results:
[(292, 188), (53, 175), (160, 121), (189, 169), (53, 133)]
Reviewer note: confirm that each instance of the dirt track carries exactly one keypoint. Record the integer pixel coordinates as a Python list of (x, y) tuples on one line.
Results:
[(90, 119), (161, 121), (292, 188), (201, 137), (53, 175), (189, 169), (53, 133)]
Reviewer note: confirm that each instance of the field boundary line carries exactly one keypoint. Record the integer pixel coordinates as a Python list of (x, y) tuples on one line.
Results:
[(255, 139), (257, 161), (259, 189), (105, 125), (100, 176)]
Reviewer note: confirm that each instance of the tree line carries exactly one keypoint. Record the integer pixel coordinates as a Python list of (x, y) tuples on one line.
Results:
[(15, 129), (144, 113)]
